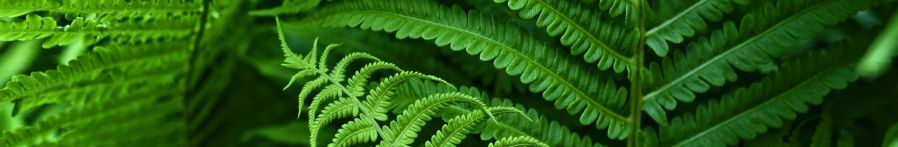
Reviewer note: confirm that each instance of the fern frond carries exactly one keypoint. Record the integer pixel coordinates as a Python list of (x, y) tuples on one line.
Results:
[(457, 128), (549, 131), (101, 74), (112, 116), (547, 70), (518, 141), (359, 80), (679, 22), (767, 103), (354, 132), (586, 31), (403, 130), (378, 98), (16, 7), (532, 124), (627, 8), (37, 27), (288, 7), (769, 31), (328, 93)]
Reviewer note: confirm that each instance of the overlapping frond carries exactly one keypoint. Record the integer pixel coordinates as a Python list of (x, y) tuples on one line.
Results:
[(70, 20), (355, 132), (103, 102), (678, 19), (100, 75), (584, 30), (572, 86), (518, 141), (769, 31), (747, 111), (532, 124), (403, 130)]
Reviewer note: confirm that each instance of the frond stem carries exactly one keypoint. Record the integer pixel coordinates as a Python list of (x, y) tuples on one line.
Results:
[(636, 80)]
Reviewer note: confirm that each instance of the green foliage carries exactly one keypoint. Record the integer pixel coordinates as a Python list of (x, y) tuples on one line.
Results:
[(581, 73)]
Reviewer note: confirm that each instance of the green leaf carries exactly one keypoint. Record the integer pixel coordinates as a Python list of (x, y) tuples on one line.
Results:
[(602, 39), (769, 31), (684, 21), (747, 111), (518, 141)]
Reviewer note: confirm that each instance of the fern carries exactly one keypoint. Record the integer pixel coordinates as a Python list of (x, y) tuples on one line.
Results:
[(523, 56), (578, 73), (365, 128), (787, 92), (576, 27), (710, 60), (533, 124)]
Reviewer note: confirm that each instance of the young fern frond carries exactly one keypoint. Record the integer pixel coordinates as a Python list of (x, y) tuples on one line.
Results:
[(354, 132), (518, 141), (766, 103), (101, 73), (402, 131), (585, 31), (548, 70), (364, 128), (532, 124), (678, 20), (769, 31), (456, 129)]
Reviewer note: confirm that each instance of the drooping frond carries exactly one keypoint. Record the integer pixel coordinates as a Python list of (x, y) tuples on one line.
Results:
[(101, 75), (549, 131), (341, 108), (70, 20), (748, 111), (768, 31), (548, 70), (532, 124), (678, 19), (378, 99), (403, 130), (354, 132), (105, 121), (458, 128), (518, 141), (585, 31)]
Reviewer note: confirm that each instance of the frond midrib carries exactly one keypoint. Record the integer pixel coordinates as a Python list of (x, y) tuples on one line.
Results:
[(79, 76), (454, 131), (589, 34), (563, 81), (404, 128), (654, 94), (500, 124), (672, 19), (769, 101)]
